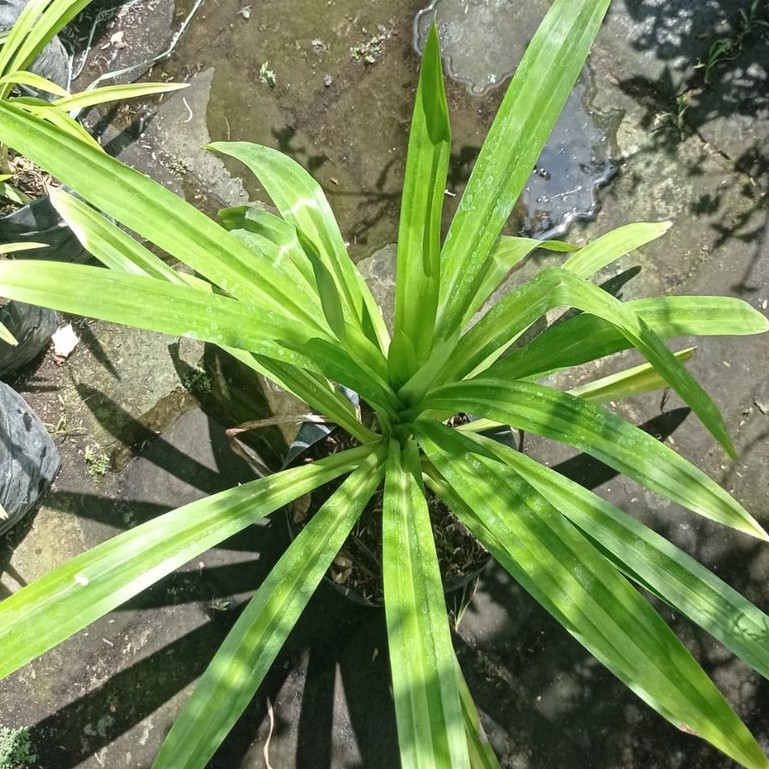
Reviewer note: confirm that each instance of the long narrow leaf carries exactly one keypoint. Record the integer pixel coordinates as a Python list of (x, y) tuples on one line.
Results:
[(653, 561), (611, 246), (176, 309), (523, 123), (12, 248), (44, 110), (72, 596), (554, 562), (245, 657), (303, 289), (279, 231), (14, 37), (508, 252), (9, 192), (428, 710), (481, 753), (112, 246), (181, 310), (37, 24), (153, 212), (623, 384), (32, 80), (312, 388), (91, 98), (117, 250), (555, 287), (301, 201), (564, 418), (419, 232), (585, 337)]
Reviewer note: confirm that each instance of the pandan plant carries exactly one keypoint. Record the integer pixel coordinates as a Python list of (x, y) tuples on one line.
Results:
[(281, 295), (37, 25)]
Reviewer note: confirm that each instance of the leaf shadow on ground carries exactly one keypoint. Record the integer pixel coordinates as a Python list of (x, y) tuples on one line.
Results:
[(330, 684), (712, 90), (548, 701)]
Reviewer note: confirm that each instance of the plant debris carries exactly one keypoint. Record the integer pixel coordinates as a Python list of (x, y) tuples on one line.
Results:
[(372, 50), (27, 179)]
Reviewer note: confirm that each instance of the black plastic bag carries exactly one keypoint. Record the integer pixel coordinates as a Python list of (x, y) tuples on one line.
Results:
[(53, 61), (32, 327), (38, 222), (29, 459)]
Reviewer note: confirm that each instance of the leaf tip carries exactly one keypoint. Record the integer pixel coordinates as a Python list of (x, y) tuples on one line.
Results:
[(760, 532)]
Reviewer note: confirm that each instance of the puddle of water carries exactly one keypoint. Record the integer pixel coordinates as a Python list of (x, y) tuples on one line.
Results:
[(476, 37), (482, 42), (574, 164)]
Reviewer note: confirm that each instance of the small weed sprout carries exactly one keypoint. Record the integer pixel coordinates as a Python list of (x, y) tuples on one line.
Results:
[(675, 117), (96, 460), (751, 22), (16, 748), (267, 76), (196, 381)]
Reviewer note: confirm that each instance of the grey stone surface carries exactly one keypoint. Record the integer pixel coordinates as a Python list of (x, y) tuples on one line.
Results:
[(379, 272), (179, 132)]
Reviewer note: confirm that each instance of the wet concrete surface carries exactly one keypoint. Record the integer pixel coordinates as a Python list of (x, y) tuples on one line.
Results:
[(108, 696)]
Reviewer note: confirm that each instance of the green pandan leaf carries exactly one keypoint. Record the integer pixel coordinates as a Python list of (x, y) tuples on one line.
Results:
[(428, 708), (69, 598), (596, 431), (418, 264), (520, 129), (301, 201), (573, 581), (245, 657)]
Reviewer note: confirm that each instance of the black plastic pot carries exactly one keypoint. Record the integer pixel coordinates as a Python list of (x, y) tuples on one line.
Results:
[(32, 327), (310, 434), (38, 222), (29, 459)]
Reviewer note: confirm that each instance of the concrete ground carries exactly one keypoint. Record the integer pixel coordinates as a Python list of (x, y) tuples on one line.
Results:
[(687, 148)]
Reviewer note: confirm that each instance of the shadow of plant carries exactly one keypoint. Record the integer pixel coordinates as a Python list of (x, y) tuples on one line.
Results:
[(714, 87)]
